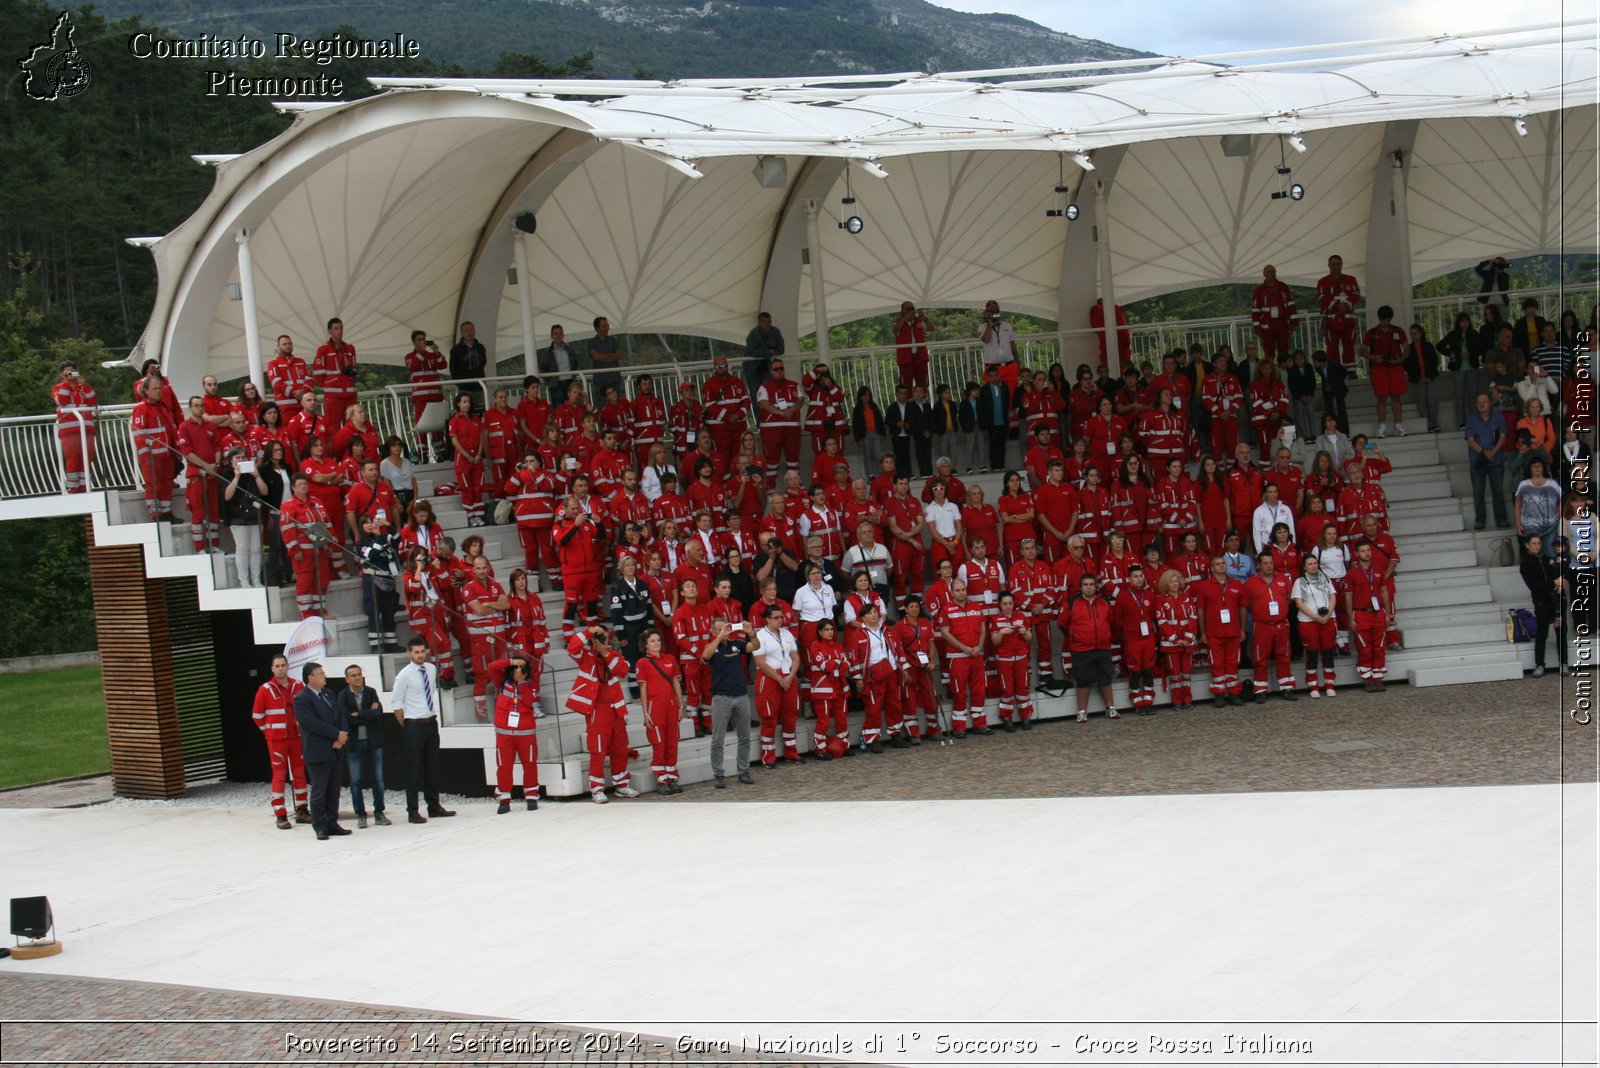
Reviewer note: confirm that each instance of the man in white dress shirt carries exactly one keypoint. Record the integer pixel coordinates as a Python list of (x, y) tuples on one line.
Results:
[(415, 703)]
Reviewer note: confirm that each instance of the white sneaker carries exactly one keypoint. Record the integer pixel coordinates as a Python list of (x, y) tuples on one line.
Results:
[(1316, 694), (1383, 430), (598, 797), (1083, 717), (1400, 429), (1330, 692), (627, 791)]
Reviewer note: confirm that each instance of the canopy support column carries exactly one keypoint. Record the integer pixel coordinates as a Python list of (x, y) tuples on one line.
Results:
[(252, 322), (819, 302), (519, 248), (1108, 295), (1389, 279)]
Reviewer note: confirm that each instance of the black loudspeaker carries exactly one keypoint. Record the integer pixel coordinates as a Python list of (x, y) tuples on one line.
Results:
[(526, 222), (31, 917)]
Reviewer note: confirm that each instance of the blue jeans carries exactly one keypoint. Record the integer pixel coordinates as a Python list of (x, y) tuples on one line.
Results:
[(1484, 476), (362, 755)]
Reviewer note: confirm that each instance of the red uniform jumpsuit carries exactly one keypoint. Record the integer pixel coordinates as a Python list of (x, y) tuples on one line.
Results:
[(1270, 605), (1221, 602), (1245, 487), (533, 500), (313, 566), (528, 632), (777, 708), (1357, 501), (427, 370), (1338, 298), (916, 640), (467, 434), (1011, 505), (1272, 315), (911, 350), (824, 523), (500, 451), (909, 557), (274, 715), (1069, 572), (1134, 621), (1269, 407), (1366, 589), (686, 419), (727, 406), (655, 675), (1011, 664), (1130, 513), (1178, 620), (966, 624), (488, 635), (205, 529), (1180, 510), (154, 439), (288, 376), (579, 544), (878, 666), (1094, 517), (828, 667), (1223, 397), (691, 630), (334, 369), (780, 433), (515, 739), (1165, 435), (648, 415), (597, 696), (425, 611), (1034, 585), (825, 414), (75, 405)]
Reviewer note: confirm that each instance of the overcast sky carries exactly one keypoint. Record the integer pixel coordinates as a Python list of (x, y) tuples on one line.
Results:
[(1181, 27)]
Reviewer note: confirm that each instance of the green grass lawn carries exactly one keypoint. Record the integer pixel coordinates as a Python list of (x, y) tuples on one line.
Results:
[(52, 725)]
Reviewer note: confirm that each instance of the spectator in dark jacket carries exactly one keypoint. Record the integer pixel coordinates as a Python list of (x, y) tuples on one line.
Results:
[(322, 736), (1545, 581), (1462, 350), (867, 427), (1332, 376), (1301, 381), (1421, 364), (994, 417), (363, 722), (468, 360), (1496, 283), (971, 454), (944, 419)]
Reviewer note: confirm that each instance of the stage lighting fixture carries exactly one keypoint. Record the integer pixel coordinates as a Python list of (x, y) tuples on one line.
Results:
[(32, 919), (771, 172), (1522, 127), (1297, 142), (526, 222), (871, 166), (1297, 191), (1083, 160), (851, 223)]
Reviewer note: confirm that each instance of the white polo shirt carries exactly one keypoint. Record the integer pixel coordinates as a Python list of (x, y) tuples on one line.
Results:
[(776, 649)]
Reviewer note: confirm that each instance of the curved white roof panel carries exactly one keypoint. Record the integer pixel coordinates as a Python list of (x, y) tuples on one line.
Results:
[(393, 211)]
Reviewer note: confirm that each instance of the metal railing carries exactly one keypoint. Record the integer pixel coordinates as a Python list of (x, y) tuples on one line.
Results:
[(31, 459)]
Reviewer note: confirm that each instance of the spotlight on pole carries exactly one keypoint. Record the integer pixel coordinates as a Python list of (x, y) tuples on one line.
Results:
[(1297, 142), (850, 223), (1083, 160), (526, 222), (1521, 125), (1297, 191)]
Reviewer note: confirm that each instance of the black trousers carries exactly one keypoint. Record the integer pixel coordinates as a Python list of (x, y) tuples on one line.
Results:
[(326, 783), (997, 448), (1544, 615), (902, 456), (422, 762), (924, 457)]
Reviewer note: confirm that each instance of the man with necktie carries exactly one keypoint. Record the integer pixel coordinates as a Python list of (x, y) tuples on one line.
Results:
[(323, 735), (415, 703)]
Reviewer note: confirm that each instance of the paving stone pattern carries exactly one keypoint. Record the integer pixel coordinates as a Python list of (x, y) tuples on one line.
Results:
[(152, 1023)]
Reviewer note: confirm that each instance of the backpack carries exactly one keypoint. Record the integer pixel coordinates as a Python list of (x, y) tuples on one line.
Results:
[(1520, 625)]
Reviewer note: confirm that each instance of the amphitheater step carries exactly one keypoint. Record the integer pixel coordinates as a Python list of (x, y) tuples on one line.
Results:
[(1457, 674)]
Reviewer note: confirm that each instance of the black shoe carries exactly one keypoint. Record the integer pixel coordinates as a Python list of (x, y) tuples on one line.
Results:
[(505, 808), (916, 739), (1220, 702), (821, 754), (720, 783), (533, 804), (440, 813), (339, 832), (1143, 712), (874, 747), (850, 751), (447, 684), (1027, 724), (1006, 726), (1235, 700), (322, 836), (744, 777), (901, 742), (1380, 687), (1261, 697), (1287, 695), (985, 731), (416, 817)]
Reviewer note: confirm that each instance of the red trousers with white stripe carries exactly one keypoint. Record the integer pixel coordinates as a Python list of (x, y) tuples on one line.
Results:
[(779, 710), (469, 485), (967, 692), (880, 693), (1180, 667), (1015, 691), (1269, 648), (313, 573), (661, 731), (205, 530), (77, 455), (1319, 641), (536, 548), (1224, 665), (485, 648), (1371, 640), (917, 703), (287, 764), (436, 632), (780, 440), (607, 741), (696, 688), (830, 713), (510, 749), (159, 473), (909, 563)]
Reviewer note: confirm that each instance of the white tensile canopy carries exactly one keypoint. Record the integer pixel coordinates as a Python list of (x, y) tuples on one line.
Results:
[(396, 211)]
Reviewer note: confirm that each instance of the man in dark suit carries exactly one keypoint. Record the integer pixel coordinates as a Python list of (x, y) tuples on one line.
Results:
[(994, 414), (922, 440), (1331, 377), (905, 421), (559, 360), (323, 736)]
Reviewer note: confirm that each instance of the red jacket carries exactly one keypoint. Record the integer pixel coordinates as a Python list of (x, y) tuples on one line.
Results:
[(1261, 597), (577, 545), (1178, 620), (274, 711), (1087, 623), (1135, 615), (600, 678), (727, 401), (649, 416), (1215, 599), (512, 698)]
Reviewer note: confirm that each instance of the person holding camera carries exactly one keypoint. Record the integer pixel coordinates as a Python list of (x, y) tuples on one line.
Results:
[(597, 696), (74, 398), (242, 494), (999, 342), (1314, 601), (579, 539), (724, 656)]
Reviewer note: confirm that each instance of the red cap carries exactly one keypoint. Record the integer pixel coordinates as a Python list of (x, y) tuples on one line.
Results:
[(686, 387), (993, 305)]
